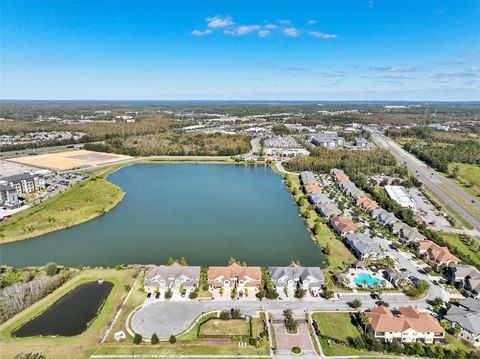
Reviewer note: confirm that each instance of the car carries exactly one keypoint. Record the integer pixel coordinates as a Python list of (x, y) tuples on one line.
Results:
[(403, 270), (435, 282), (149, 294), (157, 295)]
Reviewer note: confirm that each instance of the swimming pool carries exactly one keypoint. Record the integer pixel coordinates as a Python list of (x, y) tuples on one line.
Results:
[(363, 278)]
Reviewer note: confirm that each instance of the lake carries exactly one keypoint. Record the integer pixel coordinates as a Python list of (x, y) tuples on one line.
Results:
[(204, 212), (70, 314)]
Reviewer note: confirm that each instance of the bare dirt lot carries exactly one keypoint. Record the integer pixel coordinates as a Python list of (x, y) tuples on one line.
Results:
[(70, 159), (10, 168)]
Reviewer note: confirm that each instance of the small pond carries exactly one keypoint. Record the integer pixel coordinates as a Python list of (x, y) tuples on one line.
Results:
[(71, 314)]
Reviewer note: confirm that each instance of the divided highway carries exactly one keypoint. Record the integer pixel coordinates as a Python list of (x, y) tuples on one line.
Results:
[(433, 180)]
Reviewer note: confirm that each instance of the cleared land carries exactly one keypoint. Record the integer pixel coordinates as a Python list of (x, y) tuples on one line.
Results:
[(71, 159), (67, 347), (8, 168), (88, 200), (335, 325), (468, 246), (225, 327)]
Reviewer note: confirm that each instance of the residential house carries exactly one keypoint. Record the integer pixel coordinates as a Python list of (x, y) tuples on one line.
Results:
[(295, 276), (234, 276), (318, 198), (339, 175), (467, 276), (25, 182), (466, 315), (408, 234), (8, 196), (307, 177), (395, 227), (408, 325), (394, 276), (366, 203), (328, 210), (435, 254), (312, 188), (382, 216), (173, 276), (354, 193), (342, 225), (345, 184), (363, 246)]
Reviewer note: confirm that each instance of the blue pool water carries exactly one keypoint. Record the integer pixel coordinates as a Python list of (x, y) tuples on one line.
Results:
[(364, 277)]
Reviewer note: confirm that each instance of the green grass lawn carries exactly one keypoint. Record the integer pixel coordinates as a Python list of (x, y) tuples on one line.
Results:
[(88, 200), (471, 250), (334, 349), (467, 174), (335, 325)]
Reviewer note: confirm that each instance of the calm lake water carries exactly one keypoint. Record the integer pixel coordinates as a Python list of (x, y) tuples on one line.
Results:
[(69, 315), (206, 213)]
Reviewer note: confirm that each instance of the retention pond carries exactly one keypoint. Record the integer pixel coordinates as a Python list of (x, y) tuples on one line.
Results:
[(206, 213), (71, 314)]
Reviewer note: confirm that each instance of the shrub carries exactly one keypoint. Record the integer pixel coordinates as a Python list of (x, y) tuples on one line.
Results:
[(296, 350), (137, 339), (30, 356), (168, 293), (193, 294), (172, 339), (236, 314), (154, 339), (224, 315), (51, 269)]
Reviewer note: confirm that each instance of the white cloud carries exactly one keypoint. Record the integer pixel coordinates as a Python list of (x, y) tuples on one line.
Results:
[(284, 22), (311, 22), (201, 33), (219, 22), (321, 35), (395, 69), (291, 31), (246, 29), (270, 26), (264, 33)]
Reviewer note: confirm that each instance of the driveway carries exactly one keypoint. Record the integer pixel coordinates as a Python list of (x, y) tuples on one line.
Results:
[(286, 341)]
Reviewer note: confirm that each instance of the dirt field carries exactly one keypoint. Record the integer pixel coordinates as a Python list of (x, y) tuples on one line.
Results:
[(70, 159)]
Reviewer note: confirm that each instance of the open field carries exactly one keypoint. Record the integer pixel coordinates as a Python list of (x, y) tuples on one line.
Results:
[(88, 200), (225, 327), (468, 177), (70, 159), (67, 347), (335, 325), (466, 247)]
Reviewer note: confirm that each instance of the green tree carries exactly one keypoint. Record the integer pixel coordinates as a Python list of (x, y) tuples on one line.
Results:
[(356, 303), (170, 261), (137, 339), (183, 262), (172, 339), (154, 339), (168, 293), (51, 269)]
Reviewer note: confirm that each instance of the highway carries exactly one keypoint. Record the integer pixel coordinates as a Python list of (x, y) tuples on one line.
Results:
[(433, 180)]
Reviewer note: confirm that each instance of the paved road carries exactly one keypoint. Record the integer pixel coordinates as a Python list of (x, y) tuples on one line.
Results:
[(167, 317), (433, 180)]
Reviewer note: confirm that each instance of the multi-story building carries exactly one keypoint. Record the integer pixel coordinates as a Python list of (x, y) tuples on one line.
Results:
[(408, 325), (234, 276), (25, 182)]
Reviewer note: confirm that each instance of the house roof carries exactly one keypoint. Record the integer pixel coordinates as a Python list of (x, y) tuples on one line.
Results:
[(466, 314), (235, 270), (437, 253), (318, 198), (464, 270), (4, 187), (329, 209), (363, 243), (173, 271), (383, 320), (19, 177), (366, 202), (296, 271), (312, 188), (343, 224)]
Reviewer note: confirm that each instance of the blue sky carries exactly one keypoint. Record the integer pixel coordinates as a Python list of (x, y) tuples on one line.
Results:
[(159, 50)]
